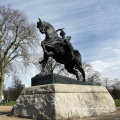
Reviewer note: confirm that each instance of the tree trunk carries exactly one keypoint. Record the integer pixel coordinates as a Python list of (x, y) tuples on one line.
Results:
[(2, 81)]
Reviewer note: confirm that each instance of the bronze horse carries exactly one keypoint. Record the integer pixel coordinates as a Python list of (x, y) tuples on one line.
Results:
[(60, 49)]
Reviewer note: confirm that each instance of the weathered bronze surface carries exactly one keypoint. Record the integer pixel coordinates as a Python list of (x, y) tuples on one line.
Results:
[(60, 49), (54, 79)]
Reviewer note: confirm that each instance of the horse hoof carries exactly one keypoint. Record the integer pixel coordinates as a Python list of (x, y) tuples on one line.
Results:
[(83, 80)]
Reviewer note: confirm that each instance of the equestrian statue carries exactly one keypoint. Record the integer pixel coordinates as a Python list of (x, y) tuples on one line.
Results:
[(60, 49)]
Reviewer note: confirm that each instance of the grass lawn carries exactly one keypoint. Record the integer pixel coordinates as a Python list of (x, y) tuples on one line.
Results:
[(11, 103), (117, 102)]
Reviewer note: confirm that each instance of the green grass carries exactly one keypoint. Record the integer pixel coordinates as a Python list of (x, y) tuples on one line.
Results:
[(117, 102), (11, 103)]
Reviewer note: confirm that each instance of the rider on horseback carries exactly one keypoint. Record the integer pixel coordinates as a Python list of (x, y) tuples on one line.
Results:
[(66, 39)]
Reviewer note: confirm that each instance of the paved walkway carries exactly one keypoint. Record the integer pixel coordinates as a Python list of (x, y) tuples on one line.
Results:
[(4, 110)]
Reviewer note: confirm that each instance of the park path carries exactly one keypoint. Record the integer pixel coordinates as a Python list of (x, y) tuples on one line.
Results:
[(4, 110)]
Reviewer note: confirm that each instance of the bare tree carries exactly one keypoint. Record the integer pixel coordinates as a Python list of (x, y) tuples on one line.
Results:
[(53, 67), (92, 76), (14, 91), (17, 87), (106, 82), (115, 89), (17, 37)]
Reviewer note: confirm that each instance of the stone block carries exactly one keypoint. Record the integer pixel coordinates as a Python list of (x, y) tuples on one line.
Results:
[(63, 102)]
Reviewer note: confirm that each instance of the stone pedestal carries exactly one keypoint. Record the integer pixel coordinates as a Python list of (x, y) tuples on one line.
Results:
[(63, 102)]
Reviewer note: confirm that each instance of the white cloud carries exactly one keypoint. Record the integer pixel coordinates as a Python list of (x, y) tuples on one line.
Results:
[(108, 68), (116, 50), (100, 66), (107, 48)]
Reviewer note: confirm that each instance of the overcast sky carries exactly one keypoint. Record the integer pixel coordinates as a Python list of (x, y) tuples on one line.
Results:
[(94, 26)]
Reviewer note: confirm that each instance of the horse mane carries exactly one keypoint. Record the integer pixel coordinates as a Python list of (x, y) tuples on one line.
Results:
[(49, 25)]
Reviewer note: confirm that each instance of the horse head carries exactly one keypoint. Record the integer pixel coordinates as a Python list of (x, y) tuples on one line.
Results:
[(41, 26), (47, 29)]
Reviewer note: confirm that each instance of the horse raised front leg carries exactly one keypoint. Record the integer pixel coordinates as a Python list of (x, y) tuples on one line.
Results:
[(44, 48), (45, 51)]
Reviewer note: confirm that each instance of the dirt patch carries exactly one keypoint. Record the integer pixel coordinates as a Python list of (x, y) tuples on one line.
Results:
[(12, 118), (5, 108)]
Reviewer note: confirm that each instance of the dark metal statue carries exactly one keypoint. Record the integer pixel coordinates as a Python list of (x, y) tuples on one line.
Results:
[(60, 49)]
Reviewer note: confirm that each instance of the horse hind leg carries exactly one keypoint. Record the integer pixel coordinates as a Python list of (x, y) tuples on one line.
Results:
[(79, 67), (71, 70)]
